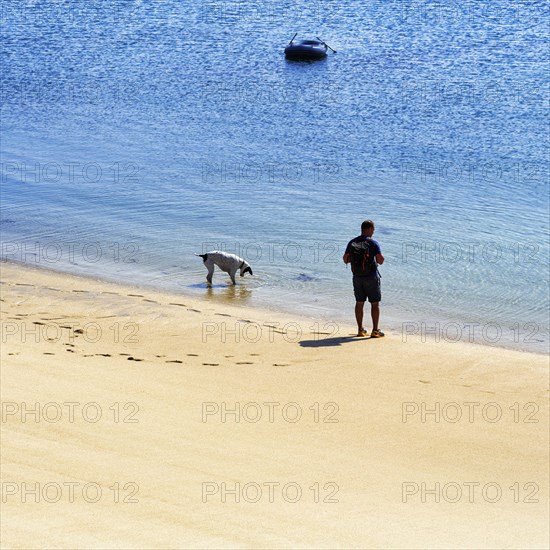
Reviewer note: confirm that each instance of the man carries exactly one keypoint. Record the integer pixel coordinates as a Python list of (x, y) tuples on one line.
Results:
[(365, 255)]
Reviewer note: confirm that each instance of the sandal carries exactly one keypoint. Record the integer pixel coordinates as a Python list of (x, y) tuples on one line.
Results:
[(376, 334)]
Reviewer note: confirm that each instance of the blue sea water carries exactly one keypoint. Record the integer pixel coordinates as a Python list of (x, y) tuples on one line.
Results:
[(135, 133)]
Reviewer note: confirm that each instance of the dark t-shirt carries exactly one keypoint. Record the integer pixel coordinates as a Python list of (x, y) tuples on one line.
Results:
[(374, 249)]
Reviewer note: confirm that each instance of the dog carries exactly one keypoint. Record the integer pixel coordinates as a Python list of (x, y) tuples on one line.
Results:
[(230, 263)]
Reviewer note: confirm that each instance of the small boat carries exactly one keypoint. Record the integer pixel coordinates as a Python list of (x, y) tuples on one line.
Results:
[(306, 49)]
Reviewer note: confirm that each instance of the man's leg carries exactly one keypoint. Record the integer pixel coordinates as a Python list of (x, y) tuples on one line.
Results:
[(359, 315), (375, 314)]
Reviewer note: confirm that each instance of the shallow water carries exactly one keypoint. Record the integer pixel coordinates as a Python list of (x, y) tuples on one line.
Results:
[(137, 133)]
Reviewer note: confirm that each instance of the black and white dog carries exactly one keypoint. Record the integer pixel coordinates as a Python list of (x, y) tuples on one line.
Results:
[(226, 262)]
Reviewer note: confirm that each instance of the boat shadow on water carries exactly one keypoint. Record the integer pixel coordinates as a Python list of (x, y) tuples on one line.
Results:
[(305, 61)]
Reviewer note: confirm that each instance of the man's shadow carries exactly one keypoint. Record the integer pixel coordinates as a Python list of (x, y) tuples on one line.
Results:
[(329, 342)]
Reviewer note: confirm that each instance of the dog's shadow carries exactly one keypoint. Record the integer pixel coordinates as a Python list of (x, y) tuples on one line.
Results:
[(328, 342), (206, 286), (226, 292)]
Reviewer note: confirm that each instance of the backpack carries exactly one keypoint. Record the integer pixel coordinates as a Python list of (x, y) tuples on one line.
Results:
[(362, 263)]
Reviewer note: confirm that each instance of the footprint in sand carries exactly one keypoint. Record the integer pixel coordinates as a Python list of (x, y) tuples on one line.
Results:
[(424, 381), (22, 284), (38, 323), (228, 356), (48, 353), (223, 314), (125, 354), (107, 292), (160, 355), (211, 364), (72, 345), (51, 288), (175, 304), (134, 359), (243, 363), (71, 350), (147, 300), (80, 291), (104, 354), (174, 361), (192, 355), (135, 295), (254, 354), (195, 310), (281, 365)]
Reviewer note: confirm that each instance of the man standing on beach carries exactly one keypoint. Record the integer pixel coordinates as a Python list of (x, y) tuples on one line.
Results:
[(365, 255)]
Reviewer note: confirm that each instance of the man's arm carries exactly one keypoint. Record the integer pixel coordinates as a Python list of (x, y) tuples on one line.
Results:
[(347, 254), (378, 254)]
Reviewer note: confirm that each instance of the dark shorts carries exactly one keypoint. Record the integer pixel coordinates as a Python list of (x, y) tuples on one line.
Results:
[(367, 287)]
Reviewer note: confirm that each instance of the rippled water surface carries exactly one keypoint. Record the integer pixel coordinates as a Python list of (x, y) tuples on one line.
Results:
[(137, 133)]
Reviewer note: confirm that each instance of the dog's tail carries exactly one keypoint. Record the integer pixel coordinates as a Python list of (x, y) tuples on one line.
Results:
[(203, 256)]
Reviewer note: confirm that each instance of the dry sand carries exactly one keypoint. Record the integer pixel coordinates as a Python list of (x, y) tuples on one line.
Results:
[(160, 466)]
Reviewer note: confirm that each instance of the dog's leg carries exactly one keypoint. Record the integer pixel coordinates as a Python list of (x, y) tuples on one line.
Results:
[(232, 275), (210, 266)]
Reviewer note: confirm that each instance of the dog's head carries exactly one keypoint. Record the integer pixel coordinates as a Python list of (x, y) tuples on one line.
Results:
[(245, 268)]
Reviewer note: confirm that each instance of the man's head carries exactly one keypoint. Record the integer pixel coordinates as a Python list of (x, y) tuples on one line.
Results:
[(367, 228)]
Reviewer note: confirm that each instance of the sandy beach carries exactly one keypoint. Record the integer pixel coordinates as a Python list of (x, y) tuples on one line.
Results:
[(137, 419)]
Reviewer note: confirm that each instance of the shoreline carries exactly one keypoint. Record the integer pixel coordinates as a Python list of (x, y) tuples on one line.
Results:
[(391, 324), (165, 406)]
